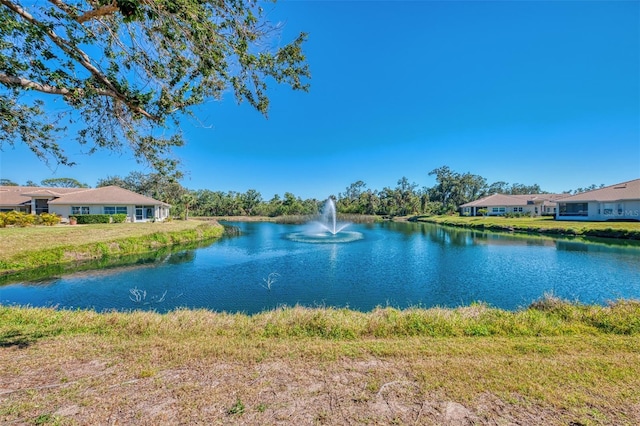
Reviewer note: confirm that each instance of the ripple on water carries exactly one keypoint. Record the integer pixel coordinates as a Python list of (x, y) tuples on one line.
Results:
[(325, 237)]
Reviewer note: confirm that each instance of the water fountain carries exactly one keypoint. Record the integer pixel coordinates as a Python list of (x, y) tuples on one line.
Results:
[(328, 219), (326, 229)]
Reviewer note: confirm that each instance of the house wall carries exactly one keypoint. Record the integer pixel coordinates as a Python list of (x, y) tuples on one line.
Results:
[(64, 210), (626, 210), (599, 211), (501, 210)]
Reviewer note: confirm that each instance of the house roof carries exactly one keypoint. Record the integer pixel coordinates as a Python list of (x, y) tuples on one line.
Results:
[(499, 200), (10, 196), (540, 197), (496, 200), (106, 195), (20, 195), (50, 192), (621, 191)]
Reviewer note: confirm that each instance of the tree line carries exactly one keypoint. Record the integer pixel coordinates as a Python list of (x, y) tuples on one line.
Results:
[(406, 198), (450, 191)]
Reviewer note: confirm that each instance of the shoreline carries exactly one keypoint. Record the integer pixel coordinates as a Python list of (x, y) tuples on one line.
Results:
[(540, 226)]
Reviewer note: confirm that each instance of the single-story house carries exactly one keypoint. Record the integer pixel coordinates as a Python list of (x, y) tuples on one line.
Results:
[(616, 202), (500, 204), (16, 198), (67, 202)]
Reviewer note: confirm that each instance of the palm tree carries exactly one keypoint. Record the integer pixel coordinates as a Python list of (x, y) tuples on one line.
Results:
[(187, 199)]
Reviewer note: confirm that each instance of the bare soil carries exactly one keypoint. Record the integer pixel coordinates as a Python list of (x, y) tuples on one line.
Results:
[(84, 388)]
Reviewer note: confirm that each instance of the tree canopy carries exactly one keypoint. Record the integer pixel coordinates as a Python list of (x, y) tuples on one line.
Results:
[(154, 185), (127, 71), (7, 182), (63, 182)]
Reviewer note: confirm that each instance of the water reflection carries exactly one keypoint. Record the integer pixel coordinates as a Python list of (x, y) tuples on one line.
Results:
[(466, 237), (50, 274)]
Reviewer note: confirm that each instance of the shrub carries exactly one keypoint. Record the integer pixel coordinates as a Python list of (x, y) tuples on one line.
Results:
[(86, 219), (16, 218), (517, 214), (49, 219), (119, 218), (8, 218)]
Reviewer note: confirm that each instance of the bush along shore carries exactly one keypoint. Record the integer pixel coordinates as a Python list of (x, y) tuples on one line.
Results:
[(540, 225), (73, 245)]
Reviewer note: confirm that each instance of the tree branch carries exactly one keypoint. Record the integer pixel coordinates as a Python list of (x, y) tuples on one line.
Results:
[(79, 56), (96, 13), (28, 84), (86, 16), (53, 90)]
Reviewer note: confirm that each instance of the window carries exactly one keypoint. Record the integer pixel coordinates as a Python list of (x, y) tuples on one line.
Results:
[(499, 209), (608, 209), (574, 209), (517, 209), (144, 213), (79, 210), (115, 210), (42, 206)]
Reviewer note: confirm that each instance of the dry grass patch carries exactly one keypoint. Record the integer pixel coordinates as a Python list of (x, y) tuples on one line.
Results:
[(86, 379), (321, 366)]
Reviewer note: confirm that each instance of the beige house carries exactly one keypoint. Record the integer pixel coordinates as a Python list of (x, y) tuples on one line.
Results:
[(500, 204), (616, 202), (76, 201)]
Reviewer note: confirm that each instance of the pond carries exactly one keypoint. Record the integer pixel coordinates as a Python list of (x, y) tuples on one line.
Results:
[(385, 264)]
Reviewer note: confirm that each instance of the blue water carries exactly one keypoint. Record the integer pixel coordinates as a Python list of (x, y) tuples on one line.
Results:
[(393, 264)]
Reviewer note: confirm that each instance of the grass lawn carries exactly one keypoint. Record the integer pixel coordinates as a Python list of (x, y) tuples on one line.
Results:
[(545, 225), (30, 247), (16, 240), (556, 364)]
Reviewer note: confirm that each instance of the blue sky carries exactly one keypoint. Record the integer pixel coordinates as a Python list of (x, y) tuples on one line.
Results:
[(544, 92)]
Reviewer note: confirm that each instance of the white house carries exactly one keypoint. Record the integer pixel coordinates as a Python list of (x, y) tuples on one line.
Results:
[(76, 201), (615, 202), (500, 204)]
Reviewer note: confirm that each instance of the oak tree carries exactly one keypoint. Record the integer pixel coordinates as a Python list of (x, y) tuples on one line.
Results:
[(125, 72)]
